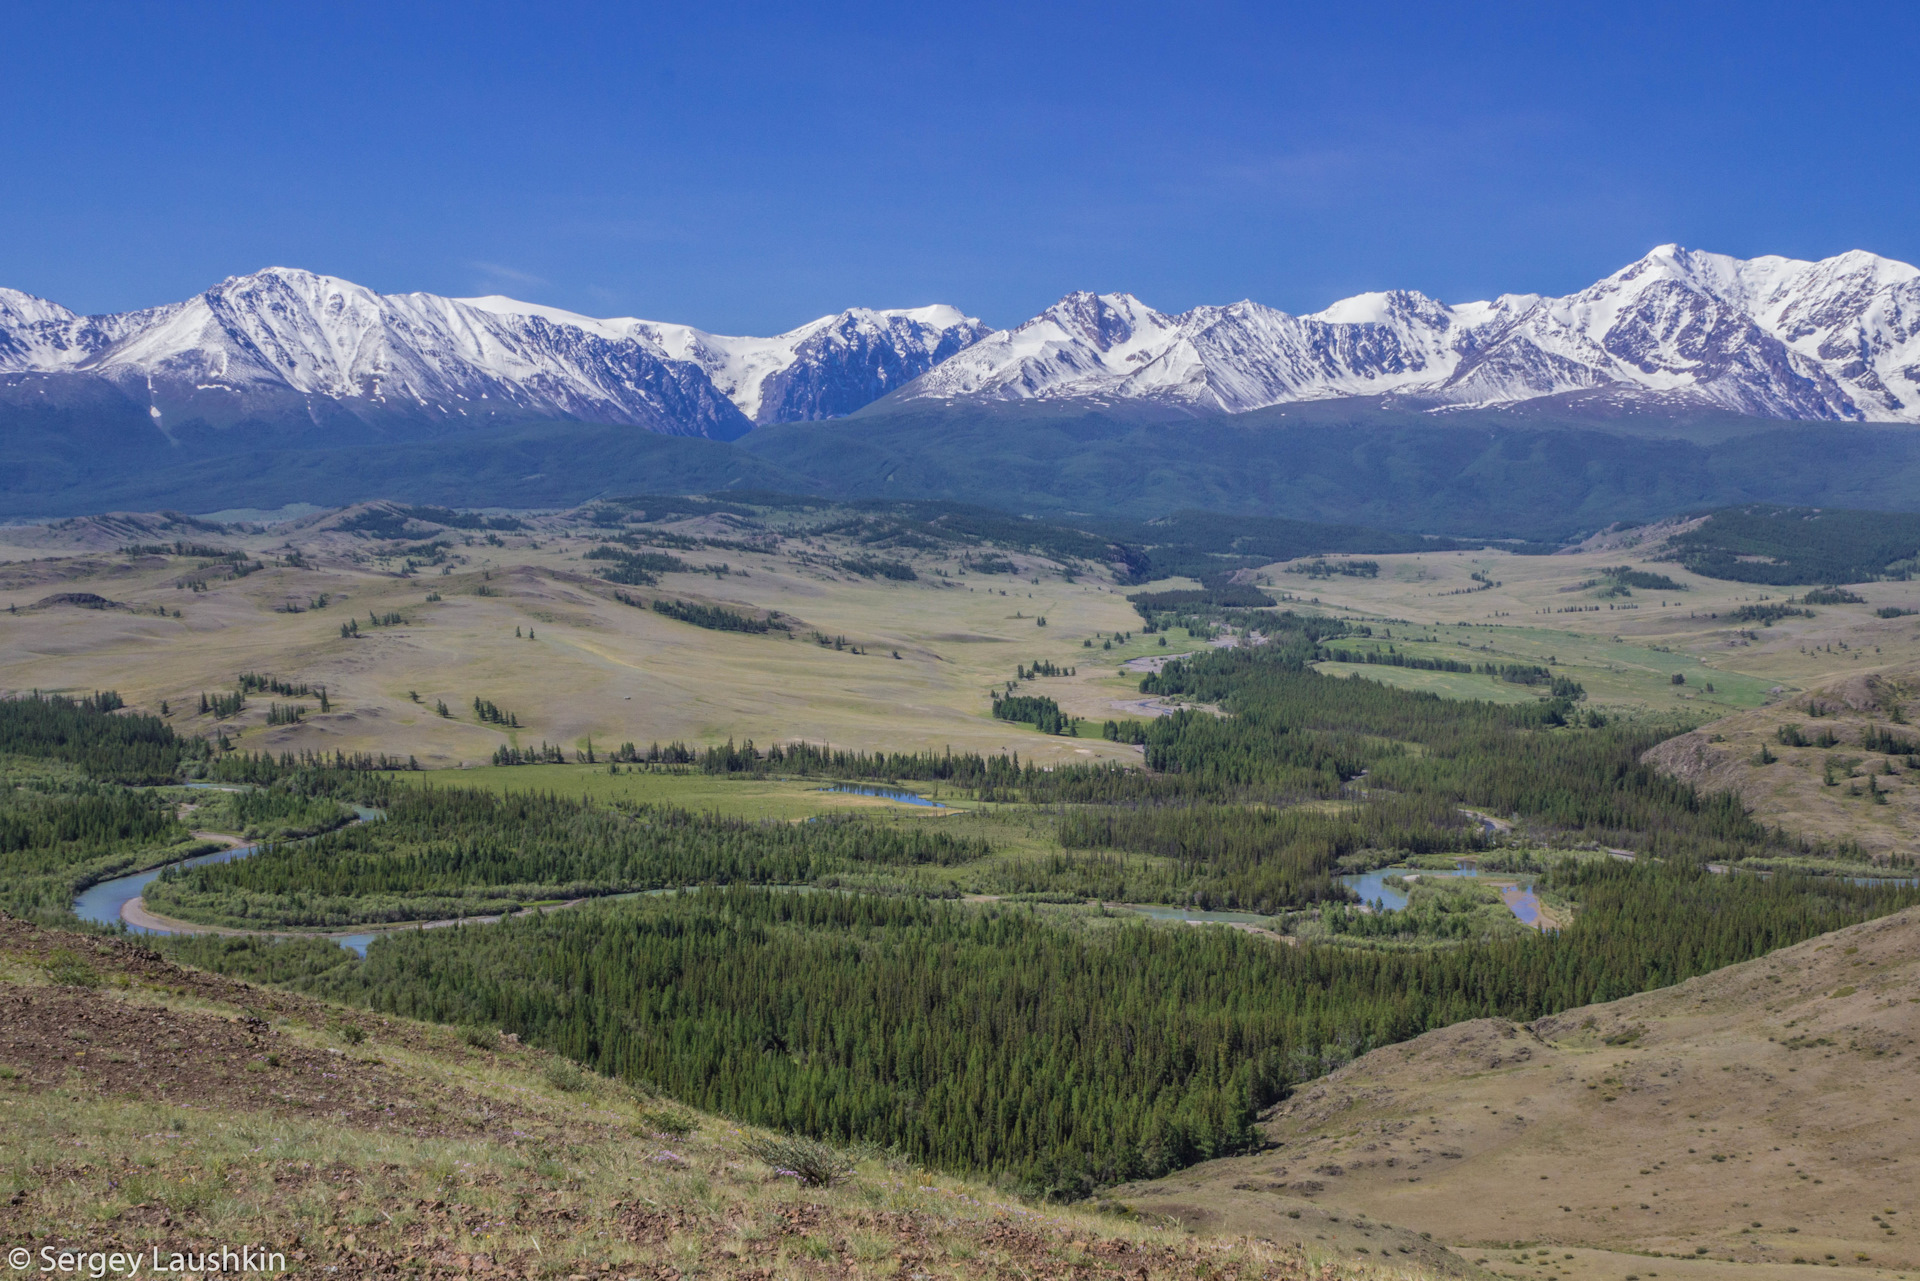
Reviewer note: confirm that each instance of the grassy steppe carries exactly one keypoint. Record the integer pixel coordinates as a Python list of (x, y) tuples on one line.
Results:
[(1623, 649), (528, 626)]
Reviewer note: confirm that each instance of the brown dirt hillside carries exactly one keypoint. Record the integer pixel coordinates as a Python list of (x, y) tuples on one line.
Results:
[(1763, 1114), (1819, 792)]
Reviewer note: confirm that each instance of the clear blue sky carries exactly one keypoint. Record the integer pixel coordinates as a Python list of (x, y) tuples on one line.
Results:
[(745, 168)]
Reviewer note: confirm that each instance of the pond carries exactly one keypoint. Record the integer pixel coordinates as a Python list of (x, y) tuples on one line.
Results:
[(1373, 890), (887, 793), (1160, 912)]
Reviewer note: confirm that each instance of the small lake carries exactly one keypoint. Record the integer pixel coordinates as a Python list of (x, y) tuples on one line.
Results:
[(889, 794), (1524, 902), (1376, 893), (1162, 913)]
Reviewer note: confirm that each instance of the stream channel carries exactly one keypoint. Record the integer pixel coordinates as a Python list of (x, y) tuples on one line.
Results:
[(103, 903)]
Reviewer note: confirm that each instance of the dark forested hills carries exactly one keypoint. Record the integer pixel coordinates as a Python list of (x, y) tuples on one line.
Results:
[(1484, 474), (1791, 545), (1537, 472)]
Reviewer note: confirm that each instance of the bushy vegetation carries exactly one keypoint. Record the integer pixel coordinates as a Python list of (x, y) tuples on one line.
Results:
[(716, 618), (1645, 580), (878, 567), (282, 812), (1261, 859), (1393, 658), (1439, 911), (1322, 568), (60, 833), (1148, 604), (390, 521), (635, 568), (1768, 614)]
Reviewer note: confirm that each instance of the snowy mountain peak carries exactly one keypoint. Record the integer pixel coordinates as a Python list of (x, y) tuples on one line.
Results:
[(822, 369), (18, 308), (1775, 337), (1106, 321), (1381, 308)]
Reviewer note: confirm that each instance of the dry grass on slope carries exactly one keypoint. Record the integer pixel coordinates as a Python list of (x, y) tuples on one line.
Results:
[(1763, 1114), (1818, 792), (146, 1105)]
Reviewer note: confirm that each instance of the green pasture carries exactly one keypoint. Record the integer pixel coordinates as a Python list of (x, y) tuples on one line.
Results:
[(1611, 671)]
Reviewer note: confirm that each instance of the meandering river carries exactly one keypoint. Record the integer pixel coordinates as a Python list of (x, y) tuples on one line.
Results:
[(107, 902)]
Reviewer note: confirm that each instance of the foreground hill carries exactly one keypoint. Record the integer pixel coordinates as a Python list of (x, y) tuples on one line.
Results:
[(151, 1105), (1760, 1114)]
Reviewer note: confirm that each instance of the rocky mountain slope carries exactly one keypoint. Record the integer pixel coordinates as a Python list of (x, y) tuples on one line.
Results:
[(1770, 337)]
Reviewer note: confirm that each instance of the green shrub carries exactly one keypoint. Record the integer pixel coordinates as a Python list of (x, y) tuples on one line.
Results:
[(813, 1164), (566, 1076), (69, 969), (669, 1121)]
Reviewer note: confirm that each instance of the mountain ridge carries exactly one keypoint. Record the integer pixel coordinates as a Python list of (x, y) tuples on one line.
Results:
[(286, 344), (288, 350), (1772, 337)]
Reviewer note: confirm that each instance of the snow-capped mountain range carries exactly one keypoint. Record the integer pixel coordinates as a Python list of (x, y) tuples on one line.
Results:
[(1772, 337), (284, 340)]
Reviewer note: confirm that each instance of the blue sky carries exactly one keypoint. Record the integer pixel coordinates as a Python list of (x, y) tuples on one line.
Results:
[(745, 168)]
